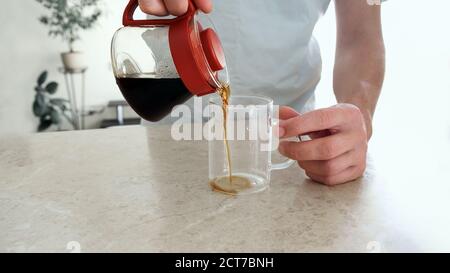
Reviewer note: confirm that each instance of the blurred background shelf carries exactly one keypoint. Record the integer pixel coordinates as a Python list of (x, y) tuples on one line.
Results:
[(120, 120)]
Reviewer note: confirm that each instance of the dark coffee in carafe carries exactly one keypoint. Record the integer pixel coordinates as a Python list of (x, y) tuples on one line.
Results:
[(151, 98)]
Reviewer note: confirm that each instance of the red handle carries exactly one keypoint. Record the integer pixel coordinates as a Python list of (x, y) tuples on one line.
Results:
[(132, 6)]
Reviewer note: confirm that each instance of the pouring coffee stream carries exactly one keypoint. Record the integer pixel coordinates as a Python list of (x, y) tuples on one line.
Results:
[(225, 94), (161, 63), (231, 184)]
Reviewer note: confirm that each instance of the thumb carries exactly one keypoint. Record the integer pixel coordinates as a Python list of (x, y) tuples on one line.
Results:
[(285, 113)]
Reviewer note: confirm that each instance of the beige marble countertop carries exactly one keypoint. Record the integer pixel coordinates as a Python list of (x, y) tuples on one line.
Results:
[(135, 189)]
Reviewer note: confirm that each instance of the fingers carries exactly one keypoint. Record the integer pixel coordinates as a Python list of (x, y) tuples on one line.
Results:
[(350, 174), (173, 7), (319, 134), (337, 151), (325, 148), (332, 166), (204, 5), (176, 7), (287, 112), (153, 7), (355, 157), (322, 119)]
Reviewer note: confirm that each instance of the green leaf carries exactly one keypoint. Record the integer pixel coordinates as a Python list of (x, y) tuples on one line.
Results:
[(39, 105), (67, 19), (37, 109), (39, 89), (51, 87), (45, 123), (44, 20), (59, 102), (42, 78), (40, 98), (54, 115)]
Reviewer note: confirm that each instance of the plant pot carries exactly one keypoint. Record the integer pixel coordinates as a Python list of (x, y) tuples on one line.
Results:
[(73, 60)]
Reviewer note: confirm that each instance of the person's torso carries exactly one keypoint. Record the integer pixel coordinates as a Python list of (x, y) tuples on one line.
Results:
[(269, 46), (270, 49)]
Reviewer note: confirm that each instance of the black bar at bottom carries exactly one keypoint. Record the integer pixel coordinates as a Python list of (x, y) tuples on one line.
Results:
[(222, 262)]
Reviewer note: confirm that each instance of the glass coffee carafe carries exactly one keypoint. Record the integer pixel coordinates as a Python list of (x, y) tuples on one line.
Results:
[(160, 63)]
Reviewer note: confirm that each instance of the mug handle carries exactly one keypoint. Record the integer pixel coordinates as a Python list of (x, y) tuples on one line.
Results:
[(284, 164)]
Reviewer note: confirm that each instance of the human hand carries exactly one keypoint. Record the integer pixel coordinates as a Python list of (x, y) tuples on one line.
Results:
[(337, 150), (172, 7)]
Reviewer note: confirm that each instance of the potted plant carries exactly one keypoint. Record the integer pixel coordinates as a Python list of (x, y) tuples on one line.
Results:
[(66, 19), (48, 109)]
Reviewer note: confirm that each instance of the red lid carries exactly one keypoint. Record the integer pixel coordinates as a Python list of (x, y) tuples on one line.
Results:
[(212, 49), (197, 53)]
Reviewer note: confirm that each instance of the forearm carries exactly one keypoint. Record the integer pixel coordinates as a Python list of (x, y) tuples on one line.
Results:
[(359, 74)]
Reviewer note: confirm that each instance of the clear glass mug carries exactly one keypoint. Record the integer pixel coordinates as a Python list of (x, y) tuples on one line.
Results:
[(251, 140)]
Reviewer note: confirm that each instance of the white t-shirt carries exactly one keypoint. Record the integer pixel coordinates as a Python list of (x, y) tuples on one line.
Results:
[(269, 47)]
